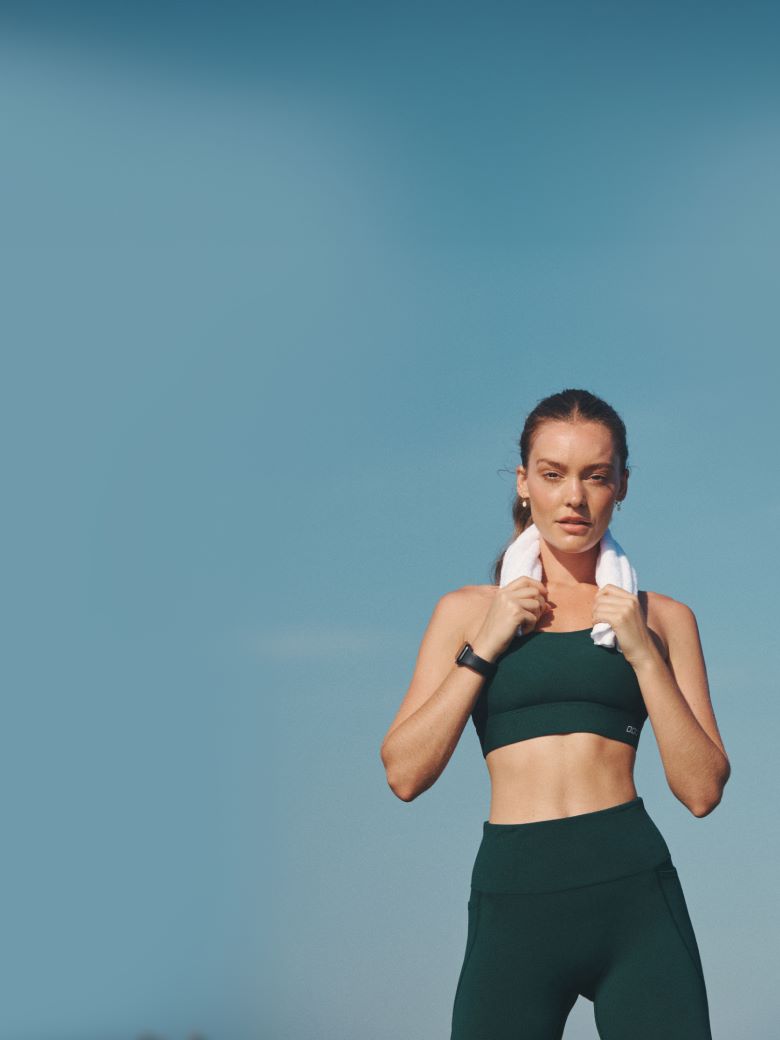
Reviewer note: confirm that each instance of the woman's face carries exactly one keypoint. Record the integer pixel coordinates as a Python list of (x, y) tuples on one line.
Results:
[(572, 471)]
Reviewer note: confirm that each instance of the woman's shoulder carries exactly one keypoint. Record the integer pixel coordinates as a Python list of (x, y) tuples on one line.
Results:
[(466, 606), (471, 594), (662, 612), (473, 597), (662, 608)]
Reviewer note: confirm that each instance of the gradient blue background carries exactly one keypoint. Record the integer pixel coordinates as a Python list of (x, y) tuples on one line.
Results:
[(280, 284)]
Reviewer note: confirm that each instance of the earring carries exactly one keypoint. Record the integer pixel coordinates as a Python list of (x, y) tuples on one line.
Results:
[(523, 503), (618, 503)]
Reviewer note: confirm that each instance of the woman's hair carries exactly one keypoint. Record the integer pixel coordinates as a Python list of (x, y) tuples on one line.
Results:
[(566, 406)]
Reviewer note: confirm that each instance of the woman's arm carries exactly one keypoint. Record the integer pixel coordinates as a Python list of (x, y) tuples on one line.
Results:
[(678, 702), (437, 705)]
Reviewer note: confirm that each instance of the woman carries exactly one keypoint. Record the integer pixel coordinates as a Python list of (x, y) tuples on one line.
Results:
[(573, 890)]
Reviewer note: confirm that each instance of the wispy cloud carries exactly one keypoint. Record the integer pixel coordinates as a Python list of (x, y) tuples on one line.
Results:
[(319, 641)]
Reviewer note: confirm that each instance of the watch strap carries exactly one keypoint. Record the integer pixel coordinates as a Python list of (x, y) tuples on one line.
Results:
[(468, 659)]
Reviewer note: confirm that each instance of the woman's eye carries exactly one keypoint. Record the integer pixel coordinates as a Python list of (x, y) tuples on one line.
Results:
[(596, 476)]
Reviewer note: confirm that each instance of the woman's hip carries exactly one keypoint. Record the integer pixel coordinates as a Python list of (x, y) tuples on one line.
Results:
[(569, 852)]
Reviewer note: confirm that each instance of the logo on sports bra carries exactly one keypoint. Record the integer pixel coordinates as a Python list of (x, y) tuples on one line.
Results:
[(632, 729)]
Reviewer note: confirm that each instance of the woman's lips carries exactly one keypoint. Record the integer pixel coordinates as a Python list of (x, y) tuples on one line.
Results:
[(574, 528)]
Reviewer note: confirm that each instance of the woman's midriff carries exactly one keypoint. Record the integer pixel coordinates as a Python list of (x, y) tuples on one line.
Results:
[(563, 774)]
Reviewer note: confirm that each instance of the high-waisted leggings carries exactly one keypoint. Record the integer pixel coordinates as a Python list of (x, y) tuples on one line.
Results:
[(589, 904)]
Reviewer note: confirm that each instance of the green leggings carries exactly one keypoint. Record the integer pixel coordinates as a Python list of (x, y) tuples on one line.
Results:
[(589, 904)]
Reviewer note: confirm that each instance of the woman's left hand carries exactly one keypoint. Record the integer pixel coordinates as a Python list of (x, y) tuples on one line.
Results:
[(621, 610)]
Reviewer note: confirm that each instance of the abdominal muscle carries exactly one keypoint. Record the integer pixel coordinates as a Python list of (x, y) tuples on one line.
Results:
[(563, 774)]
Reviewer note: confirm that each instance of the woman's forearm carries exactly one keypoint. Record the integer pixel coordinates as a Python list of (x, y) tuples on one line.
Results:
[(417, 750), (696, 769)]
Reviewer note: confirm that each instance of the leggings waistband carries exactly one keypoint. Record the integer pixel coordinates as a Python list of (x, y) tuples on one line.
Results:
[(568, 852)]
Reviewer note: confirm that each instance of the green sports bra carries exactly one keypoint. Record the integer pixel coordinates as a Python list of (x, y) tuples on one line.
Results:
[(559, 682)]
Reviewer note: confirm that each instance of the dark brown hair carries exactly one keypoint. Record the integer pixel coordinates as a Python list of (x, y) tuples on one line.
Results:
[(566, 406)]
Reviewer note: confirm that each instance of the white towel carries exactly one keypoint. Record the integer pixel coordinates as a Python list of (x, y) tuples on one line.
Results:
[(612, 568)]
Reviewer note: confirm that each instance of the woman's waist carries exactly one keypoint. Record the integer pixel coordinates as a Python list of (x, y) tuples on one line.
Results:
[(585, 847), (559, 775), (510, 806)]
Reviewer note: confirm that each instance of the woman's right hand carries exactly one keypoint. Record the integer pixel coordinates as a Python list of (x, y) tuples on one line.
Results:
[(520, 602)]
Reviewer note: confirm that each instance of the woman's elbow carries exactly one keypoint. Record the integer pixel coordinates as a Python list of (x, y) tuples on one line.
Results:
[(397, 783), (713, 800), (400, 787), (405, 794)]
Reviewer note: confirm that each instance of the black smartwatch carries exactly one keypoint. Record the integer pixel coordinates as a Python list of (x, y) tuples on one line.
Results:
[(469, 659)]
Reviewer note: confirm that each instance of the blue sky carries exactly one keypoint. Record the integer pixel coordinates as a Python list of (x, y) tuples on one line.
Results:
[(280, 285)]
